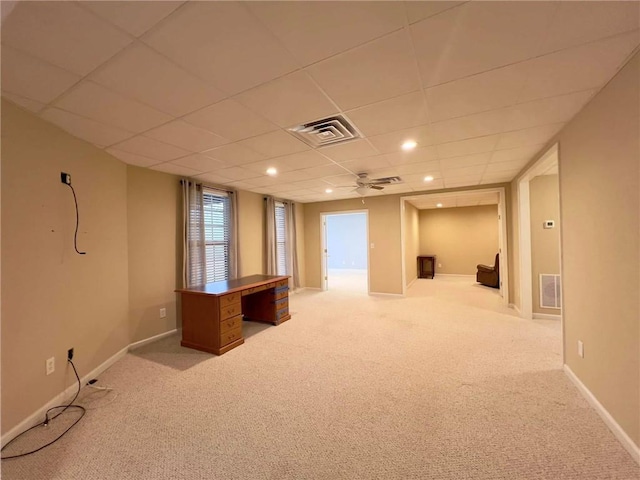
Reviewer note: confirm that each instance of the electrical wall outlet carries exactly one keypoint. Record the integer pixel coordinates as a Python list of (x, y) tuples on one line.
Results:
[(580, 349), (439, 265), (163, 313), (50, 365), (70, 354), (65, 178)]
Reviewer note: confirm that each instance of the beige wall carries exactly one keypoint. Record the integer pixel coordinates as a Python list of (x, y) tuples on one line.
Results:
[(52, 298), (545, 242), (411, 242), (600, 209), (385, 259), (461, 238), (155, 250), (251, 233), (513, 244)]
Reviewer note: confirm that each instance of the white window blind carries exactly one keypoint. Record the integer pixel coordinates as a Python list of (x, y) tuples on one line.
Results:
[(281, 240), (216, 206)]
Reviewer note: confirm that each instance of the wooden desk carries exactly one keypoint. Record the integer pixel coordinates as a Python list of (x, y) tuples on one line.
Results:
[(212, 314)]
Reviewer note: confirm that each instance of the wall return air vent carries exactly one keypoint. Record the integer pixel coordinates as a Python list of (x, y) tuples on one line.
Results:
[(327, 131)]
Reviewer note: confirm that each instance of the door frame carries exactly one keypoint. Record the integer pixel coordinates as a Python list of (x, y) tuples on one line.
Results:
[(502, 233), (324, 279), (546, 161)]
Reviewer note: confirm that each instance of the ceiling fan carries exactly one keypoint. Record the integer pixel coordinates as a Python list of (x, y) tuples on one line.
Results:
[(364, 183)]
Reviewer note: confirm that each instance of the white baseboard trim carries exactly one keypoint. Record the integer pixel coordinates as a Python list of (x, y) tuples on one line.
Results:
[(515, 307), (383, 294), (38, 416), (615, 428), (454, 275), (546, 316), (313, 289), (155, 338), (415, 279)]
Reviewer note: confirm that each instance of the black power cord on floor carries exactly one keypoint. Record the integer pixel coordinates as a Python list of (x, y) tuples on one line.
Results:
[(48, 419)]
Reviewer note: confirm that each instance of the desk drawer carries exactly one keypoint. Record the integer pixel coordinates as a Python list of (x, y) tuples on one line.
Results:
[(230, 324), (282, 313), (229, 299), (229, 311), (282, 303), (230, 336), (259, 288), (282, 283), (281, 293)]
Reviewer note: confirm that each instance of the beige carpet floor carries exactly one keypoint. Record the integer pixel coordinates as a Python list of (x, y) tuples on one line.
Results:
[(443, 384)]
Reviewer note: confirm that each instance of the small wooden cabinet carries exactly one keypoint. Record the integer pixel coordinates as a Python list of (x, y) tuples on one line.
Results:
[(426, 266)]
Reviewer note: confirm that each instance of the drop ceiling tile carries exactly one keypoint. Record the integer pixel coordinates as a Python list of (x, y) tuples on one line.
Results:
[(453, 172), (547, 110), (477, 93), (579, 68), (175, 169), (234, 154), (468, 147), (509, 166), (419, 170), (315, 184), (202, 163), (27, 103), (528, 136), (184, 135), (151, 148), (231, 120), (275, 144), (93, 101), (132, 158), (309, 159), (51, 30), (421, 186), (281, 178), (84, 128), (466, 181), (418, 178), (499, 177), (288, 101), (391, 115), (260, 168), (324, 171), (29, 77), (465, 161), (238, 173), (424, 154), (477, 37), (343, 180), (147, 76), (316, 30), (133, 17), (471, 126), (379, 70), (213, 178), (392, 141), (349, 150), (366, 164), (519, 153), (223, 43), (575, 23), (417, 11)]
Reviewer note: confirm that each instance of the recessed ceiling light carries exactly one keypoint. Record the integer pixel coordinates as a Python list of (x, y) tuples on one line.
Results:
[(409, 145), (328, 190), (439, 205), (271, 171), (428, 178)]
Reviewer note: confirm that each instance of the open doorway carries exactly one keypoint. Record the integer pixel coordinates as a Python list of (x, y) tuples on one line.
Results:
[(345, 253), (457, 259), (539, 232)]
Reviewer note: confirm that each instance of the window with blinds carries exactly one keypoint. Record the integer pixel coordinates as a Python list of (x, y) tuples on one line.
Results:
[(281, 239), (217, 221)]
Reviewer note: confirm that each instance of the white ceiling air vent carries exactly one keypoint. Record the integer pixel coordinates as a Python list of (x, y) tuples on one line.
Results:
[(327, 131)]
